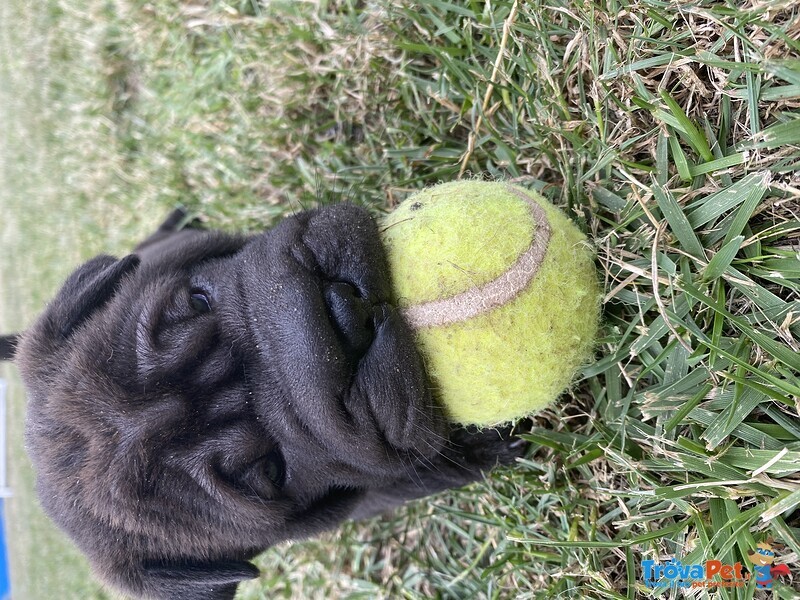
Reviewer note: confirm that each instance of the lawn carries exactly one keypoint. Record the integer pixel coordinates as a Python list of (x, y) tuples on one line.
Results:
[(670, 132)]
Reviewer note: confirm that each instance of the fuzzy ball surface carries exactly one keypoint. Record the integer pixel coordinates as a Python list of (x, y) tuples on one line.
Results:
[(502, 292)]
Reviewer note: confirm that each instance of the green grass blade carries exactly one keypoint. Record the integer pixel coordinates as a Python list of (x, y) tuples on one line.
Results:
[(738, 158), (639, 65), (787, 503), (731, 418), (748, 206), (687, 129), (711, 207), (687, 408), (677, 220), (778, 135), (786, 69), (776, 349), (681, 162), (721, 261), (784, 462)]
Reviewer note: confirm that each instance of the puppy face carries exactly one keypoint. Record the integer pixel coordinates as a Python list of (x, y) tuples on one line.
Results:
[(212, 395)]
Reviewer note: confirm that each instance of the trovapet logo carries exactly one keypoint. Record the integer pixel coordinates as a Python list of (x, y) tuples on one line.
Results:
[(716, 573), (674, 574)]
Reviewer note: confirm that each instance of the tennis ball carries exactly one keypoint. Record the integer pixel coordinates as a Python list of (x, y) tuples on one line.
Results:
[(501, 291)]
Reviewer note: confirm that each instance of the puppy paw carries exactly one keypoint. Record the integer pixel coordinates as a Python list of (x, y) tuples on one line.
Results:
[(487, 448)]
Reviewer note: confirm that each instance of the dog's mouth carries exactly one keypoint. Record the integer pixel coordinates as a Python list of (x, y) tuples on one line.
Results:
[(372, 337), (346, 361), (385, 391), (353, 318)]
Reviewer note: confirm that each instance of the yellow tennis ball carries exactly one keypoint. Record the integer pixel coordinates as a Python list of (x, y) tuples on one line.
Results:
[(501, 290)]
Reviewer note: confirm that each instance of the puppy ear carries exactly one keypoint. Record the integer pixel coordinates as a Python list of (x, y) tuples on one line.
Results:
[(196, 581), (87, 289), (8, 346)]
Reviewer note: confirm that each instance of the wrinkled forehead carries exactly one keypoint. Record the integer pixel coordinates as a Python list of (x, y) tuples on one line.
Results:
[(186, 248)]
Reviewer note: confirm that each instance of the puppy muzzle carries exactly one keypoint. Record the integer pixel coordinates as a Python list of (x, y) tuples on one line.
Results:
[(340, 352)]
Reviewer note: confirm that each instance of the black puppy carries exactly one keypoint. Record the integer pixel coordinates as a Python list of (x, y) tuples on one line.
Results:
[(211, 395)]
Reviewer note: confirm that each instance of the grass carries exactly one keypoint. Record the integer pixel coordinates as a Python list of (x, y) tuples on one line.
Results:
[(669, 131)]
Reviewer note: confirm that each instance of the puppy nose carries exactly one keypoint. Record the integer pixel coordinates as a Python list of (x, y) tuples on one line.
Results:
[(352, 318)]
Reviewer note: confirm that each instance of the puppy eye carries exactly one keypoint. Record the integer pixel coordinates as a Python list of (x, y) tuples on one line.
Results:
[(275, 468), (199, 302)]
